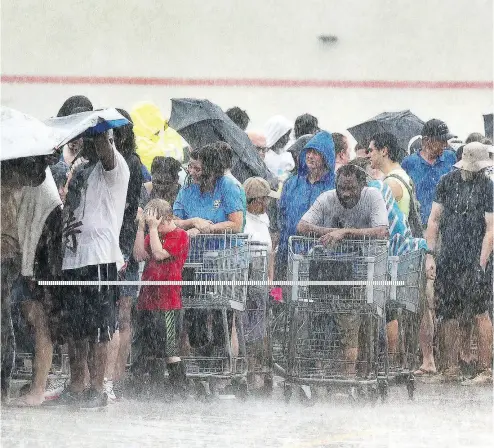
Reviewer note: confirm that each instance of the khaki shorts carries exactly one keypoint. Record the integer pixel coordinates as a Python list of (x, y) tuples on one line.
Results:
[(348, 326)]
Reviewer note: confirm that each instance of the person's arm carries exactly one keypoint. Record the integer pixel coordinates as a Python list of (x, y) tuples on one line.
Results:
[(487, 241), (335, 235), (306, 228), (380, 232), (139, 252), (159, 254), (231, 198), (432, 232), (396, 188), (234, 224), (431, 235), (192, 223), (309, 224), (105, 150)]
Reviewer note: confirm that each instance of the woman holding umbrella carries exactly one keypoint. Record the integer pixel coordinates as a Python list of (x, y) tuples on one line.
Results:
[(213, 204)]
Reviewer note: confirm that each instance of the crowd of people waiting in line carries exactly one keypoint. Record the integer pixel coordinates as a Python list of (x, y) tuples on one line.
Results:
[(94, 212)]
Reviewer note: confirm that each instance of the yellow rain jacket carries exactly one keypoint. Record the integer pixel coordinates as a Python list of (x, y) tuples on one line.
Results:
[(153, 135)]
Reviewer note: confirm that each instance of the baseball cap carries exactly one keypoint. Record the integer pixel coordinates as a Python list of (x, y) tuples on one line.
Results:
[(437, 129), (257, 187), (475, 157)]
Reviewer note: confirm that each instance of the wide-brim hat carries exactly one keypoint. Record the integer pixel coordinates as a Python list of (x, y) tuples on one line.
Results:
[(475, 157)]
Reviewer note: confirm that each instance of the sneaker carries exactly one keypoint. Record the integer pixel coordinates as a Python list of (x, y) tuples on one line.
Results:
[(94, 400), (108, 390), (66, 398), (484, 377), (54, 388)]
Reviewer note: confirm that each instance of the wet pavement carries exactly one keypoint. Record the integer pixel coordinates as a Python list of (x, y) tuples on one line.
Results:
[(439, 416)]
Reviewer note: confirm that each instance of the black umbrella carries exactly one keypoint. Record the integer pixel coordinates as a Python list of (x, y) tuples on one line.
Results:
[(296, 148), (403, 125), (201, 122), (488, 119)]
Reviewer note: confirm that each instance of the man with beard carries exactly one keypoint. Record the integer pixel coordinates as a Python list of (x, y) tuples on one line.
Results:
[(462, 213), (95, 200), (351, 211)]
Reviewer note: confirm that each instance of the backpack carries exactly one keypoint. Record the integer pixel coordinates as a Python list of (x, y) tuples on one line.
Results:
[(414, 219)]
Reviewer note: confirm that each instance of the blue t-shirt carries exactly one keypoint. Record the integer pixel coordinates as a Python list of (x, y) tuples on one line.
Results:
[(426, 177), (297, 197), (146, 176), (215, 206)]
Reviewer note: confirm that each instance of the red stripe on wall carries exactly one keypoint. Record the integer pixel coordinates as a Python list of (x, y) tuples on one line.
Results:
[(243, 82)]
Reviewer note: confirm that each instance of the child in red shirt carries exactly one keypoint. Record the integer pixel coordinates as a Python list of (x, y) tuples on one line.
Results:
[(165, 251)]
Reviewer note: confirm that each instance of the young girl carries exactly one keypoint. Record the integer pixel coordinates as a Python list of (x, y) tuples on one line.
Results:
[(165, 250)]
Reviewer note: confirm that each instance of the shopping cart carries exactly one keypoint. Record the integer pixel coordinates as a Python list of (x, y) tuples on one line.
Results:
[(217, 266), (256, 316), (403, 305), (313, 347)]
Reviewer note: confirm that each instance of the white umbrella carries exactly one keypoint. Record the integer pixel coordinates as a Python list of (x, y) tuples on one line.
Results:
[(87, 123), (25, 136)]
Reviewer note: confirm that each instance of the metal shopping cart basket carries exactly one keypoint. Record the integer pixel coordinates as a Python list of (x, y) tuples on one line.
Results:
[(321, 317), (403, 305), (217, 268)]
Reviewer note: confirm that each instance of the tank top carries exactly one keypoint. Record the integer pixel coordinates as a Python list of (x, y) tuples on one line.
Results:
[(404, 202)]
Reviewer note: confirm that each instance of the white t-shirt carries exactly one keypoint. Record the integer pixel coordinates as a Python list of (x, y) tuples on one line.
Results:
[(257, 227), (279, 164), (101, 211)]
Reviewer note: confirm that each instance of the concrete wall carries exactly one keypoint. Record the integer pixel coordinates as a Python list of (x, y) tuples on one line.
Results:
[(383, 40)]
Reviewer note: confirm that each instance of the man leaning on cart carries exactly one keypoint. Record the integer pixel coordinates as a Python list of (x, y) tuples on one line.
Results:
[(353, 210)]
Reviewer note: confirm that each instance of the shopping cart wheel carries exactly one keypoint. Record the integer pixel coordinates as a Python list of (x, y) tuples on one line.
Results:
[(287, 392), (383, 390), (411, 386)]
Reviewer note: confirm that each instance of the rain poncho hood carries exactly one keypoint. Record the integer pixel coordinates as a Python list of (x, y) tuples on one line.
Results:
[(153, 136), (275, 128), (323, 143), (299, 194)]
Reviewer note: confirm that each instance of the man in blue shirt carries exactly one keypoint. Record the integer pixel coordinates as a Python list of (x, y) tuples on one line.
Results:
[(428, 165), (316, 174)]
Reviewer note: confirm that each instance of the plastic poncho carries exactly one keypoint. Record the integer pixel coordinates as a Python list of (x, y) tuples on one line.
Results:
[(299, 194), (153, 135)]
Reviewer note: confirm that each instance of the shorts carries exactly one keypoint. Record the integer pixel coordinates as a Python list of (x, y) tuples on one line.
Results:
[(348, 326), (47, 297), (460, 294), (132, 275), (156, 335), (89, 312)]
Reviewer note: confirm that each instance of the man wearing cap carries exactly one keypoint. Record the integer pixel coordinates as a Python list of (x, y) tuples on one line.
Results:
[(425, 168), (462, 213), (428, 165)]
